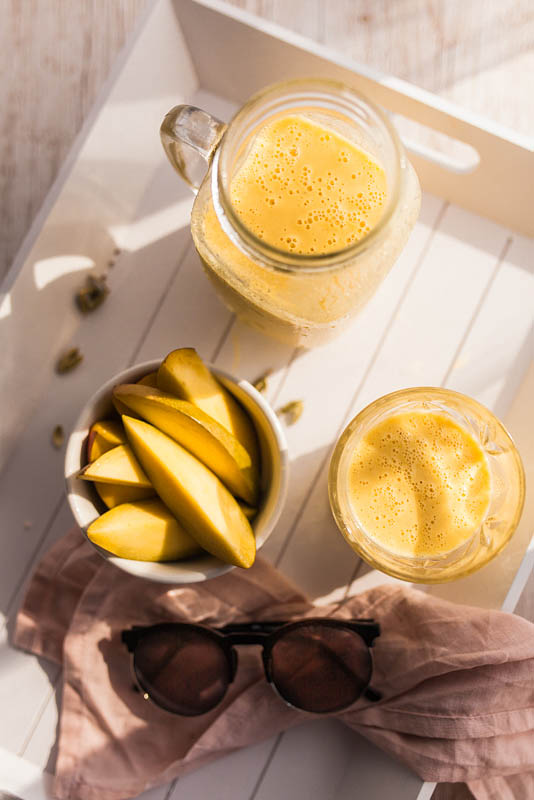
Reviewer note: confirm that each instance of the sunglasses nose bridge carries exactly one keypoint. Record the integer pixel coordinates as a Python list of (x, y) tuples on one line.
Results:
[(259, 640)]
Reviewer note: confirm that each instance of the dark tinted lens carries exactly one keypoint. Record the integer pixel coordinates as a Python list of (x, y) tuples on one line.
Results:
[(183, 670), (320, 668)]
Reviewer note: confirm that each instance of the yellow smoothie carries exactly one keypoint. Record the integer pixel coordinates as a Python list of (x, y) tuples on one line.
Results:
[(419, 484), (306, 189), (303, 188)]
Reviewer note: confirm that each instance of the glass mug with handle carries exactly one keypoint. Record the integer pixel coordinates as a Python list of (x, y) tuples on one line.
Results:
[(307, 201)]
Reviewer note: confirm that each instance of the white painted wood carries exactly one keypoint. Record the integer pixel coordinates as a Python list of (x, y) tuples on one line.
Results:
[(323, 760), (427, 331), (24, 693), (484, 368), (31, 486), (497, 189), (232, 778), (427, 790), (461, 279), (311, 759), (62, 522), (360, 781), (248, 353), (40, 747), (107, 180), (22, 778), (55, 57), (327, 380), (520, 581)]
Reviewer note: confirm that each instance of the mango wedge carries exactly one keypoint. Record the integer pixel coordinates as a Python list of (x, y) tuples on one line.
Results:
[(103, 436), (149, 380), (197, 432), (118, 465), (248, 511), (113, 494), (143, 531), (193, 493), (121, 409), (184, 374)]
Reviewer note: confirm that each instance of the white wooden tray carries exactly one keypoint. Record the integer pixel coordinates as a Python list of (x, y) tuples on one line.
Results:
[(455, 311)]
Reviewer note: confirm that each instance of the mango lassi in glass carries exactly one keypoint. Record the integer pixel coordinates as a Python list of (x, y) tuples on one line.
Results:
[(419, 484), (308, 201), (426, 485)]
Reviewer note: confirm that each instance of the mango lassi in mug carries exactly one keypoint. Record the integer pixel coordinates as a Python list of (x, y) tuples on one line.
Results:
[(308, 201), (304, 188), (426, 485)]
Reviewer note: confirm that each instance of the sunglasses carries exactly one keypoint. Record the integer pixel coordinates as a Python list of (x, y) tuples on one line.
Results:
[(316, 665)]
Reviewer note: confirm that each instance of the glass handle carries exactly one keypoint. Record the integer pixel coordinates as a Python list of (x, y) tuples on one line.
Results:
[(190, 137)]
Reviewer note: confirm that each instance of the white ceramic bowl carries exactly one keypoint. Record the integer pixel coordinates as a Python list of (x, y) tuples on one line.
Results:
[(87, 506)]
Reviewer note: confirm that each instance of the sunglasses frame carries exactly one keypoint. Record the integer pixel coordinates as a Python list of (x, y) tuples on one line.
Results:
[(264, 634)]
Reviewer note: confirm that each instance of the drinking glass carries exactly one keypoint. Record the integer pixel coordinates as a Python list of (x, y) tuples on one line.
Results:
[(507, 480)]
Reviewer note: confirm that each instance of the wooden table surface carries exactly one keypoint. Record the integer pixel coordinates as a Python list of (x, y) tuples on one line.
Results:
[(55, 57)]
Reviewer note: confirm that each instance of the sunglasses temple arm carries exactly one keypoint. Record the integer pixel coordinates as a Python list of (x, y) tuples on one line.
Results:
[(129, 638), (372, 695), (367, 628), (251, 627)]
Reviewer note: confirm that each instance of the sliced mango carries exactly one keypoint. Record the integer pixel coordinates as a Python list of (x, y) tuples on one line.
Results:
[(248, 511), (193, 493), (149, 380), (121, 409), (113, 494), (199, 433), (118, 465), (143, 531), (184, 374), (103, 436)]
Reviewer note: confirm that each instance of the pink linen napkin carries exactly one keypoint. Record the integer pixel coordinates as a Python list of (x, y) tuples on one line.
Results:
[(457, 682)]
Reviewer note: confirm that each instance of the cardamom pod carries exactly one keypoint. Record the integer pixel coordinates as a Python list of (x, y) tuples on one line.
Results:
[(69, 361), (93, 294), (292, 411), (58, 436), (261, 383)]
